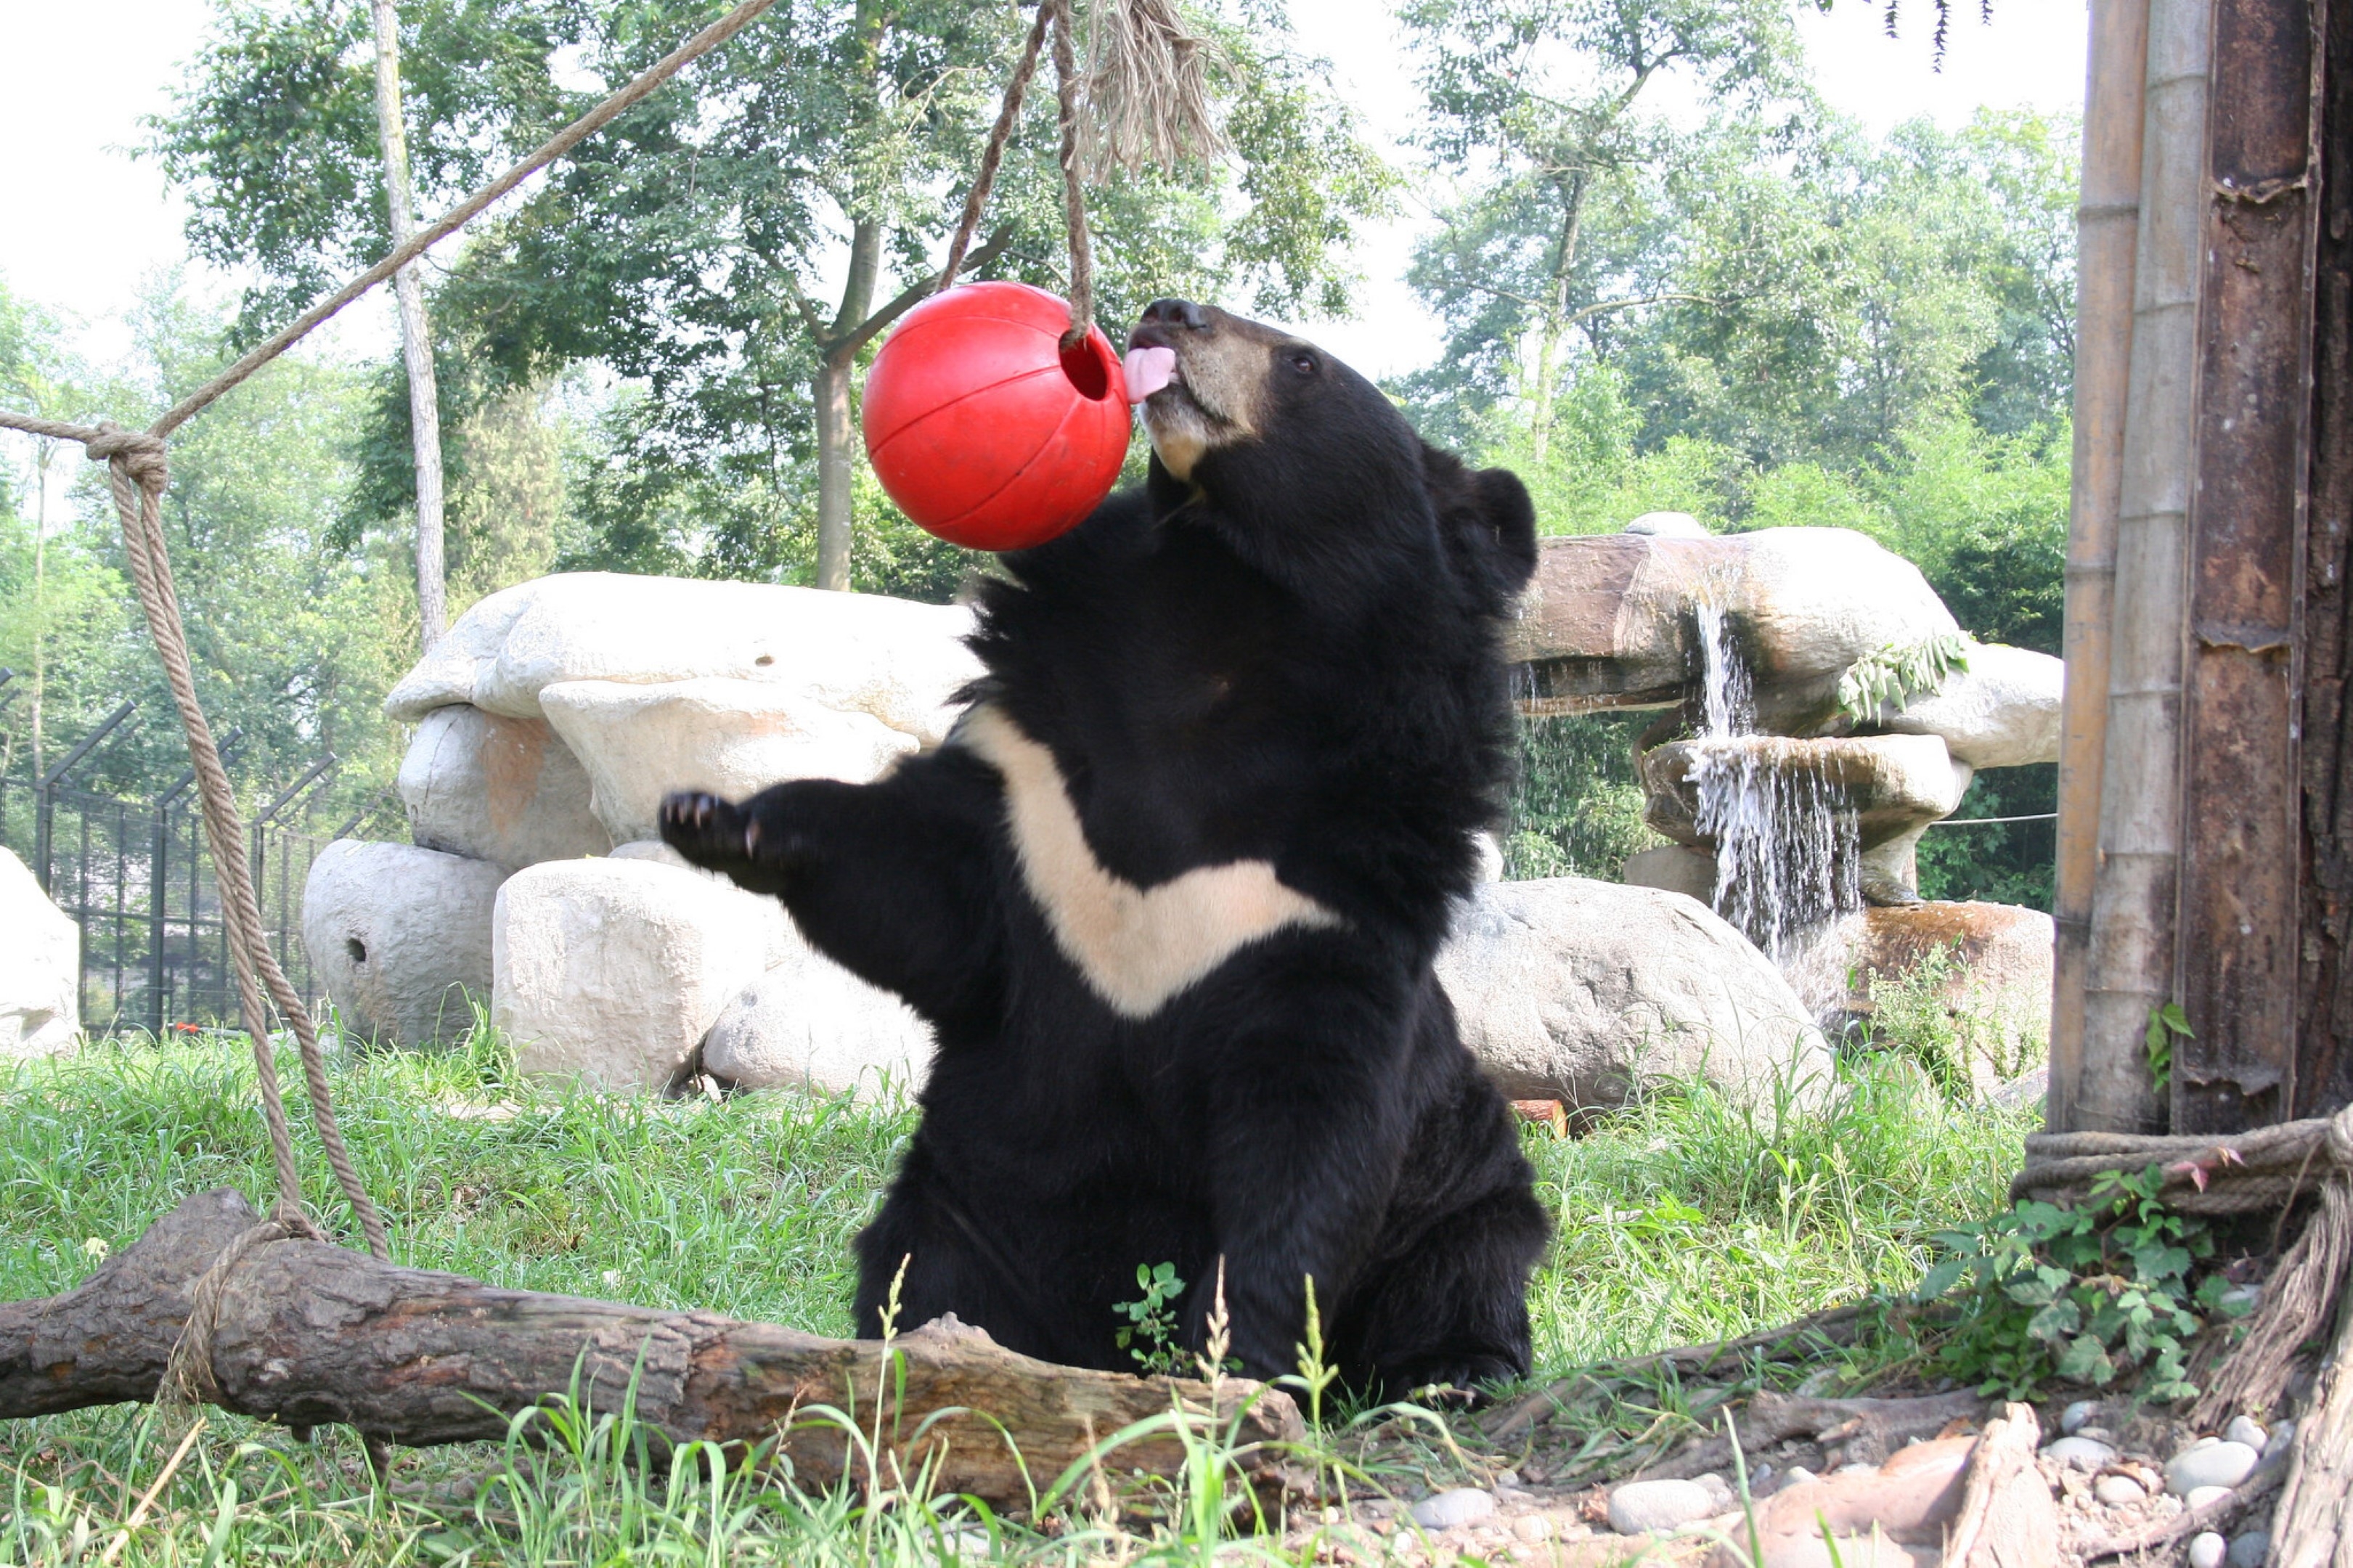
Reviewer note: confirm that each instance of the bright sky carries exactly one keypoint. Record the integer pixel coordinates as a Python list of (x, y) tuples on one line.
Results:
[(82, 224)]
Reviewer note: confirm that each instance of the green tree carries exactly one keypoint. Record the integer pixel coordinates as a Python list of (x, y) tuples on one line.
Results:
[(1537, 103), (294, 641), (683, 248)]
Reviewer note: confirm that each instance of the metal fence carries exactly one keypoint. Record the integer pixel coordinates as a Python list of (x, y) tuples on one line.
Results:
[(137, 876)]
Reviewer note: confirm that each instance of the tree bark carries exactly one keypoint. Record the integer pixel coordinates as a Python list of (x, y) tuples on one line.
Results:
[(837, 356), (307, 1333), (416, 334)]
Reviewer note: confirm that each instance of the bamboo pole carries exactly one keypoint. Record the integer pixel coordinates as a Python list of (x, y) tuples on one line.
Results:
[(2108, 228), (2130, 942)]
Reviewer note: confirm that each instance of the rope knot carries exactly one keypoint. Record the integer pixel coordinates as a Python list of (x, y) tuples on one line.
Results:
[(140, 453)]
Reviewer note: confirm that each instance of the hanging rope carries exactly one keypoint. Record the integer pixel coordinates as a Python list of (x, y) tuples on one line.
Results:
[(138, 473), (1147, 92)]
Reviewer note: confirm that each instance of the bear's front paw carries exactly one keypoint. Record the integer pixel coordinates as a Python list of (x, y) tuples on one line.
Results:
[(716, 834)]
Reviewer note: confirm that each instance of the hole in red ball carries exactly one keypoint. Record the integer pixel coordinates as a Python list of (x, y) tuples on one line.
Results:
[(1084, 367)]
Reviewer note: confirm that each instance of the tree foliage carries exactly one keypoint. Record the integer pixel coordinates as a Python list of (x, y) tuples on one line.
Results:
[(688, 248)]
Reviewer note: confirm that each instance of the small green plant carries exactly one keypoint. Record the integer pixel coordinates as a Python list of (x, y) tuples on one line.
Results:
[(2165, 1023), (1150, 1333), (1890, 676), (2082, 1294)]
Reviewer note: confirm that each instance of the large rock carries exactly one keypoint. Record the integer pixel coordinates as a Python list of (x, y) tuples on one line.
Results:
[(810, 1022), (1995, 983), (40, 968), (401, 937), (732, 737), (1610, 616), (613, 970), (1576, 990), (497, 788), (2003, 712), (856, 653), (1895, 783)]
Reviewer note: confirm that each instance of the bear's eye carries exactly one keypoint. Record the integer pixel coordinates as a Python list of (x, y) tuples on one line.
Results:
[(1304, 363)]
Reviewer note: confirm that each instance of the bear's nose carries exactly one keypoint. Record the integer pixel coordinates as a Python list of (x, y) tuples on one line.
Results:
[(1162, 316)]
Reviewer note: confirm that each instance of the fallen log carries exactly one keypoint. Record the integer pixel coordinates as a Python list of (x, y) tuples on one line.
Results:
[(307, 1334)]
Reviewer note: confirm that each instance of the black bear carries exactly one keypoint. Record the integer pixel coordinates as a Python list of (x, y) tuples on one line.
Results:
[(1170, 893)]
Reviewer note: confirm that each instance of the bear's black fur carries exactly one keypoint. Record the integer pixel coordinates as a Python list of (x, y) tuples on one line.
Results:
[(1197, 1020)]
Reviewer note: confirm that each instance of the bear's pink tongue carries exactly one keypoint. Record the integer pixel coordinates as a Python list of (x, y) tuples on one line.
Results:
[(1149, 369)]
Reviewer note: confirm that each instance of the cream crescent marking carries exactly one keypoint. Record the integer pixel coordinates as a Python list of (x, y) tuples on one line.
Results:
[(1134, 947)]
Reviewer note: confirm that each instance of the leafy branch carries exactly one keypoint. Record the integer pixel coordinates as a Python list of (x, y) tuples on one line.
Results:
[(1892, 675)]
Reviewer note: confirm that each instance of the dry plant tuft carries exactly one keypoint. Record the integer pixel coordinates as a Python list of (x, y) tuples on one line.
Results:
[(1148, 87)]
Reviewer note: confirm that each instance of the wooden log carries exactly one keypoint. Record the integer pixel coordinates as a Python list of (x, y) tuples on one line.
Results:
[(307, 1333)]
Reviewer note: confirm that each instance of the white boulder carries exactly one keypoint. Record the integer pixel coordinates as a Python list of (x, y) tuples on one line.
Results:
[(898, 661), (730, 736), (613, 970), (810, 1022), (2003, 712), (401, 938), (497, 788), (1576, 990), (40, 968)]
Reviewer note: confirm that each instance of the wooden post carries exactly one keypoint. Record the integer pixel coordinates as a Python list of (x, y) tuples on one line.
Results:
[(2223, 877), (2235, 961)]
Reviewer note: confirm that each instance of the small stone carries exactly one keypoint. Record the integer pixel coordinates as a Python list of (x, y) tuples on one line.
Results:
[(1507, 1478), (2098, 1434), (1760, 1481), (1532, 1527), (1795, 1475), (2248, 1551), (2073, 1420), (2210, 1464), (1857, 1468), (2251, 1433), (2088, 1455), (1450, 1510), (2198, 1497), (2207, 1549), (1719, 1490), (2283, 1433), (2118, 1491), (1639, 1507)]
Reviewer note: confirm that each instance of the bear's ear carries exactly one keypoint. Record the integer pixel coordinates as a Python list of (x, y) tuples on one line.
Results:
[(1511, 519), (1488, 522)]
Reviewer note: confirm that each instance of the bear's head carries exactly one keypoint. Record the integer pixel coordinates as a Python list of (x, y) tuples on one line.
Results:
[(1310, 471)]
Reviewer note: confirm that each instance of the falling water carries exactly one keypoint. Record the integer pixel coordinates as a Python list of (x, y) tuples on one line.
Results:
[(1787, 861)]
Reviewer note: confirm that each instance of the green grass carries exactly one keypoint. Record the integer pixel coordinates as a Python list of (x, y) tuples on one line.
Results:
[(1680, 1218)]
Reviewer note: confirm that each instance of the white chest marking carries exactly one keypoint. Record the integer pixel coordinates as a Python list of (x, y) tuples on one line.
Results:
[(1135, 948)]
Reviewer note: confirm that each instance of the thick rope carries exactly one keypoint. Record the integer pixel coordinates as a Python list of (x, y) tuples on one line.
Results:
[(2241, 1173), (138, 472), (1054, 16), (1074, 205), (992, 154)]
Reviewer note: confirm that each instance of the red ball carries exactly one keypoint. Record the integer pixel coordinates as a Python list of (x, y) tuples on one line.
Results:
[(983, 429)]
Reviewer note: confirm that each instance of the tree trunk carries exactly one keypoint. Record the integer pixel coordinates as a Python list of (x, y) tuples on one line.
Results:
[(834, 457), (836, 360), (307, 1333), (415, 334)]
